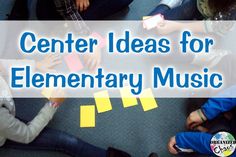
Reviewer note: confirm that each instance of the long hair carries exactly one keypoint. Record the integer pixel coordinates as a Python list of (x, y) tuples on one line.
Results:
[(220, 5)]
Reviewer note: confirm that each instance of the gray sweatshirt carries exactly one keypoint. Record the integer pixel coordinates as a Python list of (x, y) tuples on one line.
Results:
[(12, 128)]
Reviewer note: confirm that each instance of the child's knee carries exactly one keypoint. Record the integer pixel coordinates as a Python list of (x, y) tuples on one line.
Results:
[(126, 2)]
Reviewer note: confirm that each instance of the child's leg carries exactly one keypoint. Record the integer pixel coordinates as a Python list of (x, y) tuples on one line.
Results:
[(196, 141), (97, 10), (46, 10), (187, 11), (54, 140), (19, 11), (100, 9)]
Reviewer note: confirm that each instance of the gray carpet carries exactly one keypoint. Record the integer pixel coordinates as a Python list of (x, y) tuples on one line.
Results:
[(132, 130)]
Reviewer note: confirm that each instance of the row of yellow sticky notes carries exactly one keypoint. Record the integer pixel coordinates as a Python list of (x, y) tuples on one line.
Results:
[(103, 104), (147, 99)]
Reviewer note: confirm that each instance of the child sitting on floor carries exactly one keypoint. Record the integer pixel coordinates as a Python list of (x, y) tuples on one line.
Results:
[(200, 141)]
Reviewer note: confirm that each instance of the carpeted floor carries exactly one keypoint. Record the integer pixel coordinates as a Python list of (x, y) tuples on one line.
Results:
[(130, 129)]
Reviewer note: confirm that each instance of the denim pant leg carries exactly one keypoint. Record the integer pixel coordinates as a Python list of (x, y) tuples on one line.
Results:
[(187, 11), (55, 140)]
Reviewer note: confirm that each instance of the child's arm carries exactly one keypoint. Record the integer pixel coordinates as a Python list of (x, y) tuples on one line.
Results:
[(15, 130), (210, 27), (211, 109), (168, 27), (215, 106), (196, 141)]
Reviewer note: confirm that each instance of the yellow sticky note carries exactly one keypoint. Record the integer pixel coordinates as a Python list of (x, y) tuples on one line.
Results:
[(103, 102), (87, 116), (146, 17), (128, 98), (147, 99), (47, 92)]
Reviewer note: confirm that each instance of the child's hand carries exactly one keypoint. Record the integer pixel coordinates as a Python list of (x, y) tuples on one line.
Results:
[(168, 27), (93, 61), (171, 145), (82, 5), (48, 63), (57, 100), (195, 119), (2, 70), (201, 129), (57, 96)]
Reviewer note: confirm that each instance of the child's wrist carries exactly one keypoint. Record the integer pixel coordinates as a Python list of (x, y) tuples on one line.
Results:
[(54, 104), (201, 115)]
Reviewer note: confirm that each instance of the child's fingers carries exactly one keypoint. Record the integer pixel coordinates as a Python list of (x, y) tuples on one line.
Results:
[(88, 3), (91, 64), (161, 23), (2, 69), (188, 122), (55, 63), (47, 57), (81, 6), (98, 63), (56, 58), (193, 126), (171, 144), (52, 57), (201, 129), (161, 29), (88, 62), (50, 70), (78, 4), (172, 150), (94, 65)]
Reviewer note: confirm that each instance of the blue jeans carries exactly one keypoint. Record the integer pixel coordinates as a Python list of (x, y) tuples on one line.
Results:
[(187, 11), (55, 140)]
